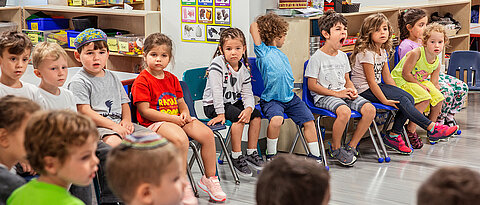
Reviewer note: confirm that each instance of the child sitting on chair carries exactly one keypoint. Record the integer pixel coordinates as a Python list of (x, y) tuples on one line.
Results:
[(329, 83)]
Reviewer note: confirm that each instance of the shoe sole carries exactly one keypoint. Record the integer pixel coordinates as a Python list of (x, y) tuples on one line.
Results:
[(243, 173), (442, 139), (343, 163), (205, 189), (254, 166), (398, 151)]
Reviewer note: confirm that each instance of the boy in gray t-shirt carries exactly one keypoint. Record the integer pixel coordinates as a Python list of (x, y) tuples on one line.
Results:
[(329, 84)]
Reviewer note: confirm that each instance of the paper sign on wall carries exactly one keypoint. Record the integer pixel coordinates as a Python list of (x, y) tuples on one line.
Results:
[(203, 20)]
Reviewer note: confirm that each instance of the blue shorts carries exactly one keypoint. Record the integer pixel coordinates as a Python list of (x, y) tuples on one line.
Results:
[(295, 109)]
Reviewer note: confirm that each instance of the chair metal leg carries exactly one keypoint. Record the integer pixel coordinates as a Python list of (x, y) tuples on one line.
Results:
[(230, 164), (192, 182), (304, 141), (227, 143), (382, 145), (379, 157), (196, 156), (294, 143), (96, 186), (406, 139), (320, 136)]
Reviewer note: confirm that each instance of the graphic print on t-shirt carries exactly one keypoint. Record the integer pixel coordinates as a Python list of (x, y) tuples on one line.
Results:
[(110, 114), (167, 103), (377, 68)]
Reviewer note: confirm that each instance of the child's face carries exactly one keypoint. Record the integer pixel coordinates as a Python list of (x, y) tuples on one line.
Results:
[(338, 34), (53, 72), (435, 43), (416, 31), (233, 50), (171, 187), (13, 66), (380, 36), (158, 58), (279, 41), (93, 61), (81, 164)]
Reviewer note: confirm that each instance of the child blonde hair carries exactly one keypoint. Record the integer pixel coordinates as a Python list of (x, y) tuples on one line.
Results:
[(47, 49), (434, 27), (271, 26), (53, 133), (371, 24)]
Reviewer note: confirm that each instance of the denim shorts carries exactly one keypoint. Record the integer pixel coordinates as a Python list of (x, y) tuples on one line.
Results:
[(295, 109)]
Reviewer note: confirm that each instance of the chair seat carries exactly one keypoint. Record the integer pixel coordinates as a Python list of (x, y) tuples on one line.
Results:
[(383, 107), (227, 122)]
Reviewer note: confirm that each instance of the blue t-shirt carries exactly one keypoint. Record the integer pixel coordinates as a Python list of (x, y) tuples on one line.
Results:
[(276, 73)]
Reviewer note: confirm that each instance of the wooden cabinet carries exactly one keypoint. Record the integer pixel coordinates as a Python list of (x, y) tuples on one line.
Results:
[(135, 21), (13, 14)]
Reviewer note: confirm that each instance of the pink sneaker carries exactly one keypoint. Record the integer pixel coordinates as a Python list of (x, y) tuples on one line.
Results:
[(397, 144), (441, 132), (188, 196), (213, 188)]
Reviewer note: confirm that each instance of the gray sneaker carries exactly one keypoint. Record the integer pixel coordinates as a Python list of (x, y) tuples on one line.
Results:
[(352, 150), (255, 160), (343, 157), (240, 164)]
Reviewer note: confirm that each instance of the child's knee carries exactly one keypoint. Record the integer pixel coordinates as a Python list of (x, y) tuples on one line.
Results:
[(309, 125), (276, 122), (368, 110), (343, 112)]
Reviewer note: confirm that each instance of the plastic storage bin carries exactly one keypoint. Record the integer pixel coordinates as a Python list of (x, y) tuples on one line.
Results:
[(35, 36), (130, 44), (59, 37), (112, 44), (71, 35), (47, 24)]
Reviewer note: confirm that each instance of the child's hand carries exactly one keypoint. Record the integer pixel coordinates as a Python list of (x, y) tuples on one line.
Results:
[(424, 87), (127, 125), (353, 93), (122, 131), (343, 94), (245, 115), (27, 168), (391, 103), (178, 120), (186, 118), (218, 119)]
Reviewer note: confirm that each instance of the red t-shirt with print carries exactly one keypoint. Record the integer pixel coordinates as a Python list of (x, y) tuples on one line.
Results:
[(161, 94)]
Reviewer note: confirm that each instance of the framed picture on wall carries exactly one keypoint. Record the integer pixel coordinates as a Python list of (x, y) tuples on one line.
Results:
[(189, 2), (222, 2), (205, 15), (205, 2), (222, 15), (189, 14)]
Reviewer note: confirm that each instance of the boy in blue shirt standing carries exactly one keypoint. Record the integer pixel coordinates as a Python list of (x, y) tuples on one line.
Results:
[(268, 33)]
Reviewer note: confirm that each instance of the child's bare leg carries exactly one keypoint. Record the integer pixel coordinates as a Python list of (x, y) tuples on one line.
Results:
[(435, 111), (309, 131), (112, 140), (204, 136), (343, 116), (421, 106), (254, 132), (273, 130), (368, 112), (237, 131), (175, 134)]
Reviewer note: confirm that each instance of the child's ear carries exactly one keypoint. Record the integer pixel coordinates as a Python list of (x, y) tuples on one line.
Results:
[(325, 34), (409, 27), (77, 56), (51, 164), (144, 193), (37, 73), (4, 142), (220, 49)]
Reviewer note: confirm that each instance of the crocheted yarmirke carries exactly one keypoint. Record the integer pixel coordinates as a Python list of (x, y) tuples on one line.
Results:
[(89, 35), (144, 140)]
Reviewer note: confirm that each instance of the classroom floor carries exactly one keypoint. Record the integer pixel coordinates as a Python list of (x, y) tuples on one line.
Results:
[(369, 182)]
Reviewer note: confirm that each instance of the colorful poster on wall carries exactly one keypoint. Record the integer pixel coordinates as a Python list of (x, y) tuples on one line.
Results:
[(203, 20)]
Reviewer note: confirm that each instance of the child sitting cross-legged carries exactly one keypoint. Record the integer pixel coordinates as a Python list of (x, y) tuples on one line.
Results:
[(60, 146), (329, 83)]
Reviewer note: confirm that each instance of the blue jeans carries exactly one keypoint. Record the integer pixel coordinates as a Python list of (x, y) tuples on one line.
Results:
[(406, 107)]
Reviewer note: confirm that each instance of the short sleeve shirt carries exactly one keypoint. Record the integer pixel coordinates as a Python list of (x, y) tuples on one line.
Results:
[(378, 61), (328, 70), (161, 94), (65, 100), (27, 90), (41, 193)]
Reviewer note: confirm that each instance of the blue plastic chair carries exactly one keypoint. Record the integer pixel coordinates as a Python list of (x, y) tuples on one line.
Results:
[(257, 88), (466, 61), (396, 57), (307, 98), (189, 100)]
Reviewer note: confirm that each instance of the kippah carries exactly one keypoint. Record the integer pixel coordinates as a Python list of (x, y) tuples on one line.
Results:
[(144, 140), (89, 35)]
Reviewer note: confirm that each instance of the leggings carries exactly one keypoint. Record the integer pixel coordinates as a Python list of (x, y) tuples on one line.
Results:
[(406, 107)]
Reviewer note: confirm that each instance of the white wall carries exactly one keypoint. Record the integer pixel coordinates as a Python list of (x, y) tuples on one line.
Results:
[(191, 55)]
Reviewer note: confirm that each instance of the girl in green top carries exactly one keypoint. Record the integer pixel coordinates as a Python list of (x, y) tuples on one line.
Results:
[(418, 73)]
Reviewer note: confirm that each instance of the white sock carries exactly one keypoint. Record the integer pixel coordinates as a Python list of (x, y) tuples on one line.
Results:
[(314, 150), (272, 146), (250, 151), (235, 155)]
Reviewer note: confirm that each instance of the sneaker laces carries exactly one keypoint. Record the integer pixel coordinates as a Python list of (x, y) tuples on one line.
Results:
[(216, 185), (255, 157), (242, 161)]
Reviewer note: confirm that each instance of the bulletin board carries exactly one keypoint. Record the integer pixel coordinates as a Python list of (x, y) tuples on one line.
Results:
[(203, 20)]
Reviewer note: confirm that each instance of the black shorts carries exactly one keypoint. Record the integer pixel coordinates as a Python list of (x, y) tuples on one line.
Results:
[(231, 111)]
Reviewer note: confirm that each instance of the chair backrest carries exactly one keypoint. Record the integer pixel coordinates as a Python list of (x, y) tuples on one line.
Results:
[(466, 61), (257, 81), (396, 57), (196, 79), (308, 99), (187, 97), (127, 85)]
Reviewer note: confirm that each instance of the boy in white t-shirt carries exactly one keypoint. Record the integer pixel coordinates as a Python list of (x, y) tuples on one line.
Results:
[(50, 64), (329, 84), (15, 49)]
